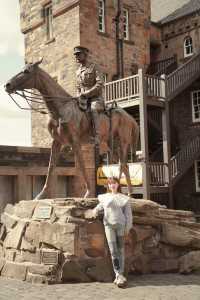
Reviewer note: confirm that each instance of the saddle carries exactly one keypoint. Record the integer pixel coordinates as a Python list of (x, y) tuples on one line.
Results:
[(85, 105)]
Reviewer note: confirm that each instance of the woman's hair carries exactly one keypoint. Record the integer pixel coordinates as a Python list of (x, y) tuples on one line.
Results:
[(113, 179)]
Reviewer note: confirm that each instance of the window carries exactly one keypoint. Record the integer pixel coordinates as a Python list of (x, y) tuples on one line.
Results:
[(197, 175), (48, 15), (195, 95), (102, 15), (188, 47), (126, 24)]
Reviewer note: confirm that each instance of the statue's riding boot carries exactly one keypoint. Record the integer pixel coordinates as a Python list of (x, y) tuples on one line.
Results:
[(95, 117)]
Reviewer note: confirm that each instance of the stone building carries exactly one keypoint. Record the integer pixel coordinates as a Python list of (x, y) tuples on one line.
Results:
[(180, 33), (180, 37)]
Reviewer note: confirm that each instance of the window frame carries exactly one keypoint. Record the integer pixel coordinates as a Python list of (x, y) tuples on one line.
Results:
[(48, 18), (126, 27), (197, 176), (189, 46), (195, 120), (102, 16)]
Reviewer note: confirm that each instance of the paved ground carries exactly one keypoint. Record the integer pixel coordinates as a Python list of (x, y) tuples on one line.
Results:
[(148, 287)]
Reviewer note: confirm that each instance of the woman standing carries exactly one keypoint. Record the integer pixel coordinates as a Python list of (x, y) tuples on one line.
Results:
[(117, 222)]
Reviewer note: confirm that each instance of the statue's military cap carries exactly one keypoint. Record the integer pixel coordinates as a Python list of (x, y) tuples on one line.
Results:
[(79, 49)]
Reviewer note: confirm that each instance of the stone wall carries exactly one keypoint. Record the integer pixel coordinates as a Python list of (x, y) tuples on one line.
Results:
[(174, 33), (53, 241)]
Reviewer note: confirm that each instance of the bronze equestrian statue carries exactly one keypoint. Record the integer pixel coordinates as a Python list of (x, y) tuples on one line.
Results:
[(70, 125)]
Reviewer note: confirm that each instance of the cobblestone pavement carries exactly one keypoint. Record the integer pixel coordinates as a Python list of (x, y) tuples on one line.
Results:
[(148, 287)]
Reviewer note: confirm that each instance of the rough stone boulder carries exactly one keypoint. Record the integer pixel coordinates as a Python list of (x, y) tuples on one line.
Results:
[(57, 240)]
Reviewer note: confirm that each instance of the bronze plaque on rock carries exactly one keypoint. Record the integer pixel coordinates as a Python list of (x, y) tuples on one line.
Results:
[(42, 212), (49, 257)]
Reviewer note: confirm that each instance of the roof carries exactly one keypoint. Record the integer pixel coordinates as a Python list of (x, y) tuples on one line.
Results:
[(164, 11), (187, 9)]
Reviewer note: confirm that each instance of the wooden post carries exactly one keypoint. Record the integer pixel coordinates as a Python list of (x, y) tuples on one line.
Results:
[(166, 141), (21, 186), (144, 135)]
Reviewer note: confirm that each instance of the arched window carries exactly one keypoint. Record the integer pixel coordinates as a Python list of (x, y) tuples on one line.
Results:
[(188, 47)]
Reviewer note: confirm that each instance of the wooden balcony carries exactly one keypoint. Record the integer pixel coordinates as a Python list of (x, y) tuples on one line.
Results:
[(123, 91), (144, 90), (127, 91)]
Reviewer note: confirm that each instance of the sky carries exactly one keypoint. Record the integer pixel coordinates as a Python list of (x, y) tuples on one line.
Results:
[(15, 124)]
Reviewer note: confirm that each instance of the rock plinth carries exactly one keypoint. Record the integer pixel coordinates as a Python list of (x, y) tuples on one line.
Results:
[(56, 240)]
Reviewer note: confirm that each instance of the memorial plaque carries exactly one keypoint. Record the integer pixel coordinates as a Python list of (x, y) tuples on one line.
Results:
[(42, 212), (49, 257)]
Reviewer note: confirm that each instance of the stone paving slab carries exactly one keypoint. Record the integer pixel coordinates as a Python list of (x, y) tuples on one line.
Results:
[(146, 287)]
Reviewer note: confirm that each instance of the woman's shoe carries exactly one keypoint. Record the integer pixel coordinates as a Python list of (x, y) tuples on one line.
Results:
[(121, 281)]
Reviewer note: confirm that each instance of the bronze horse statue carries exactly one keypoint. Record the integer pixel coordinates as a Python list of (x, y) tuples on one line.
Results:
[(69, 125)]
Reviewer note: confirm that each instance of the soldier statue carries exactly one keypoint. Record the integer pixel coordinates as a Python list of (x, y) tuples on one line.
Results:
[(89, 87)]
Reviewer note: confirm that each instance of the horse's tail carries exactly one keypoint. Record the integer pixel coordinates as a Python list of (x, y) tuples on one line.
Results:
[(134, 138)]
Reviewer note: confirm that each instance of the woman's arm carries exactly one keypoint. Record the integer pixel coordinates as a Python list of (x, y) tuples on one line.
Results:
[(97, 209), (128, 216)]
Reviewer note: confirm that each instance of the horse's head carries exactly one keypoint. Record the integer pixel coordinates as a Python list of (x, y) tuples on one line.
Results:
[(23, 80)]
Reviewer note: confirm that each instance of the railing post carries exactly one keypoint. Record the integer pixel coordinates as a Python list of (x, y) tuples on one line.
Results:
[(144, 134), (163, 86), (166, 144)]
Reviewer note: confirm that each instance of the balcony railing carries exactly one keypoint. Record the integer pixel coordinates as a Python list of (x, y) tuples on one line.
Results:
[(184, 157), (127, 89), (158, 172), (121, 90), (183, 75), (155, 86)]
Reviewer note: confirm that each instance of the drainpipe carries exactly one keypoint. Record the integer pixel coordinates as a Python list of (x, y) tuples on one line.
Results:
[(119, 43)]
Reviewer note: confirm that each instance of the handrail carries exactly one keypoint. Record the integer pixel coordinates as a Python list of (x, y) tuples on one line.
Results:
[(180, 161), (160, 67), (182, 75)]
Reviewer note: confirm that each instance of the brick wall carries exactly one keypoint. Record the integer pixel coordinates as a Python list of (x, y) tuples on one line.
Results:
[(174, 33), (185, 195), (103, 45)]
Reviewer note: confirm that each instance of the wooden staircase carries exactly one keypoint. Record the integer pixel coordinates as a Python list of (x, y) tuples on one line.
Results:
[(184, 159), (165, 66), (182, 77), (144, 89)]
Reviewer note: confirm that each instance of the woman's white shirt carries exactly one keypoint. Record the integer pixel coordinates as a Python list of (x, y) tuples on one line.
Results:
[(117, 209)]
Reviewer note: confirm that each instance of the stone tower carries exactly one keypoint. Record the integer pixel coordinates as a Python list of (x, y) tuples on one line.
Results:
[(119, 44)]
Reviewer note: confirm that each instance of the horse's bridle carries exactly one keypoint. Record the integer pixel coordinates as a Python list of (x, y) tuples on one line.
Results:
[(32, 97)]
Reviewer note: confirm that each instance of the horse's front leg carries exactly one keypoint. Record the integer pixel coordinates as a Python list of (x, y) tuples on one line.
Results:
[(47, 189), (77, 151)]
